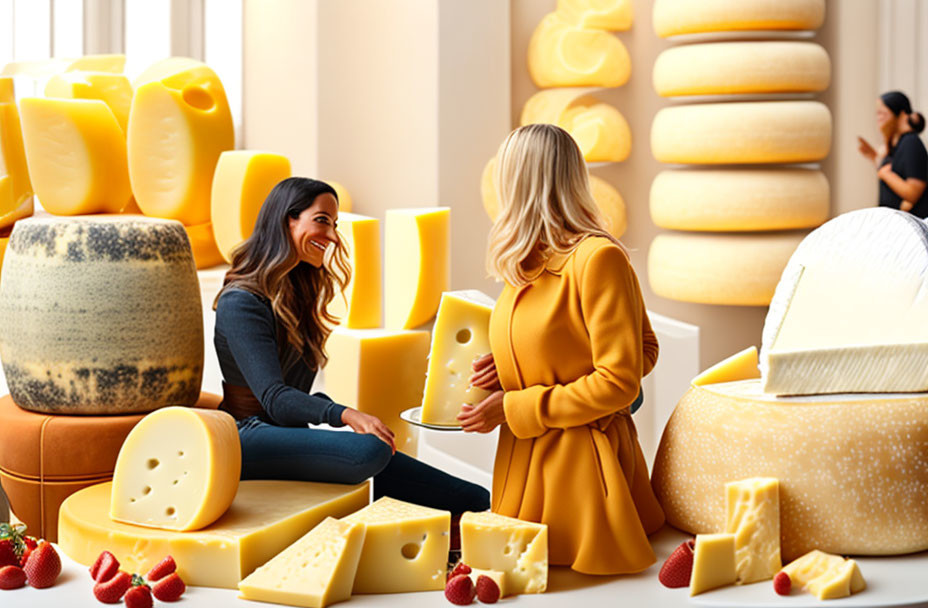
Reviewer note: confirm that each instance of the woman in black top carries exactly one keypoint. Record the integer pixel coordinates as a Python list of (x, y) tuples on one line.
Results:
[(901, 162)]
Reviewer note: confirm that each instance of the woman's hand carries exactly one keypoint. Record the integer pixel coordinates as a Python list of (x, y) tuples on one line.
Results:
[(485, 375), (864, 147), (371, 425), (485, 416)]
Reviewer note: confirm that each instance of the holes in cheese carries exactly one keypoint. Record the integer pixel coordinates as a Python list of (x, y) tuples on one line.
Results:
[(675, 17), (740, 366), (517, 548), (742, 132), (417, 265), (144, 492), (112, 89), (564, 54), (203, 245), (614, 15), (752, 514), (13, 161), (361, 304), (826, 576), (713, 562)]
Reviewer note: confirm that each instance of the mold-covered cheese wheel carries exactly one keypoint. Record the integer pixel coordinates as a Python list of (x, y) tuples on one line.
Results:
[(100, 314)]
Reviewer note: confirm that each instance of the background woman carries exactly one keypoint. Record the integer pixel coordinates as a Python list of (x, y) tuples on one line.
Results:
[(271, 329), (571, 341), (901, 162)]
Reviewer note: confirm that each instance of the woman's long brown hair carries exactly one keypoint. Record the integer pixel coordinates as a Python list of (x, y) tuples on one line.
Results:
[(268, 265)]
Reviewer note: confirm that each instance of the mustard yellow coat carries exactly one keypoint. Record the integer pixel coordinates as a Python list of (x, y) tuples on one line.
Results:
[(570, 349)]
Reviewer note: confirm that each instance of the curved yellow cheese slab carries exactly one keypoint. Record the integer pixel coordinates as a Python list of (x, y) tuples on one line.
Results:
[(720, 200), (740, 366), (361, 304), (613, 15), (13, 157), (849, 466), (675, 17), (727, 68), (732, 269), (599, 129), (742, 132), (562, 54), (76, 152), (203, 244), (112, 89)]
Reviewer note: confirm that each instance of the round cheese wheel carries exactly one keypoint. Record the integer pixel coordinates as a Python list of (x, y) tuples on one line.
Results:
[(101, 315), (675, 17), (613, 15), (739, 199), (726, 68), (733, 269), (563, 54), (851, 467)]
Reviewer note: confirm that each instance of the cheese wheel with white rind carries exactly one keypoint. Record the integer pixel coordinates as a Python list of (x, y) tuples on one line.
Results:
[(561, 54), (676, 17)]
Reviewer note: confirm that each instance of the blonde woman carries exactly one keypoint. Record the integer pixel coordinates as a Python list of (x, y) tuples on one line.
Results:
[(570, 342)]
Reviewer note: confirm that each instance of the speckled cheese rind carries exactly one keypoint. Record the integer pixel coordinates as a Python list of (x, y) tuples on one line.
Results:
[(101, 315), (853, 469)]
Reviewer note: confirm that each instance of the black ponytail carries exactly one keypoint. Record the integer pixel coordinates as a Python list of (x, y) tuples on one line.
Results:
[(917, 122)]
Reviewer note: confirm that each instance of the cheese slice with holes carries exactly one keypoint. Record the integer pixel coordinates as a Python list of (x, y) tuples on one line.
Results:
[(825, 576), (517, 548), (675, 17), (752, 514), (565, 54), (177, 470), (713, 562), (740, 366)]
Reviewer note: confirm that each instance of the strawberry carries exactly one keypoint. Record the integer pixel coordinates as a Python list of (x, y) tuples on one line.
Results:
[(162, 569), (12, 577), (460, 590), (104, 568), (459, 568), (43, 566), (139, 596), (111, 591), (11, 544), (169, 588), (487, 589), (677, 569), (30, 543), (782, 584)]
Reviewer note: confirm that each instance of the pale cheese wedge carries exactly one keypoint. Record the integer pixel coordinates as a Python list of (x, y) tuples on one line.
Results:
[(740, 366), (826, 576), (752, 514), (713, 562), (515, 547)]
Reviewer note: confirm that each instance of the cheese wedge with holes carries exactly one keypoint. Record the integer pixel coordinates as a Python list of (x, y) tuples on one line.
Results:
[(360, 306), (825, 576), (517, 548), (752, 514), (112, 89), (315, 571), (564, 54), (740, 366), (613, 15), (405, 547), (713, 562), (203, 245), (13, 160), (177, 470), (675, 17)]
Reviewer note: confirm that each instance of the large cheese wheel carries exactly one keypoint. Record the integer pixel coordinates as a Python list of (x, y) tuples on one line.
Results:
[(675, 17), (734, 269), (725, 68), (564, 54), (101, 314), (851, 467), (739, 199), (742, 132)]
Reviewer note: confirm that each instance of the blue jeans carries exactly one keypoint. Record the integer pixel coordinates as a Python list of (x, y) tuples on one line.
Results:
[(311, 454)]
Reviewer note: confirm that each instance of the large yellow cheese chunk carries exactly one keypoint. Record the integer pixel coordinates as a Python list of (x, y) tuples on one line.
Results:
[(205, 252), (742, 132), (728, 68), (315, 571), (76, 152), (7, 90), (752, 514), (675, 17), (460, 335), (379, 372), (826, 576), (564, 54), (361, 304), (112, 89), (13, 159), (179, 124), (713, 562), (740, 366), (614, 15), (417, 265), (840, 460), (4, 241), (9, 210), (405, 547), (517, 548), (265, 518), (178, 469), (241, 183)]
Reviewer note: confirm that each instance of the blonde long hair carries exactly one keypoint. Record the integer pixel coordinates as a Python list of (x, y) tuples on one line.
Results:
[(545, 202), (267, 264)]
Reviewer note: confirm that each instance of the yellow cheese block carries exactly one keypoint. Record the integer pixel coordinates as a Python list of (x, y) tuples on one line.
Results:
[(9, 210), (344, 198), (265, 518), (417, 265), (517, 548), (826, 576), (840, 460), (732, 269), (178, 126), (165, 68), (742, 132), (564, 54), (460, 335), (405, 547), (728, 68), (76, 152), (241, 183), (379, 372), (740, 366), (112, 89), (599, 129), (675, 17), (13, 158), (752, 514), (315, 571), (205, 252), (614, 15), (112, 63), (713, 562), (718, 200), (7, 90), (361, 305)]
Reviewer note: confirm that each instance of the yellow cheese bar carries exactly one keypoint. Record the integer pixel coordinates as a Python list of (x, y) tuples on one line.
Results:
[(379, 372), (460, 335), (76, 152), (112, 89), (344, 198), (265, 518), (740, 366), (203, 244), (752, 514), (418, 264), (613, 15), (361, 305), (7, 90), (178, 126), (405, 547), (826, 576), (13, 158), (713, 562), (562, 54), (9, 210), (241, 183), (515, 547), (315, 571), (112, 63)]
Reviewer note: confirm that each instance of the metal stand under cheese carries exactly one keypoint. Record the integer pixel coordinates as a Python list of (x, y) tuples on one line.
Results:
[(613, 15), (564, 54), (112, 89), (517, 548), (361, 304), (675, 17), (849, 467)]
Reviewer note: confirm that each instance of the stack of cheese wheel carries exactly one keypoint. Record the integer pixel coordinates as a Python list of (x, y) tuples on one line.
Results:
[(748, 205)]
